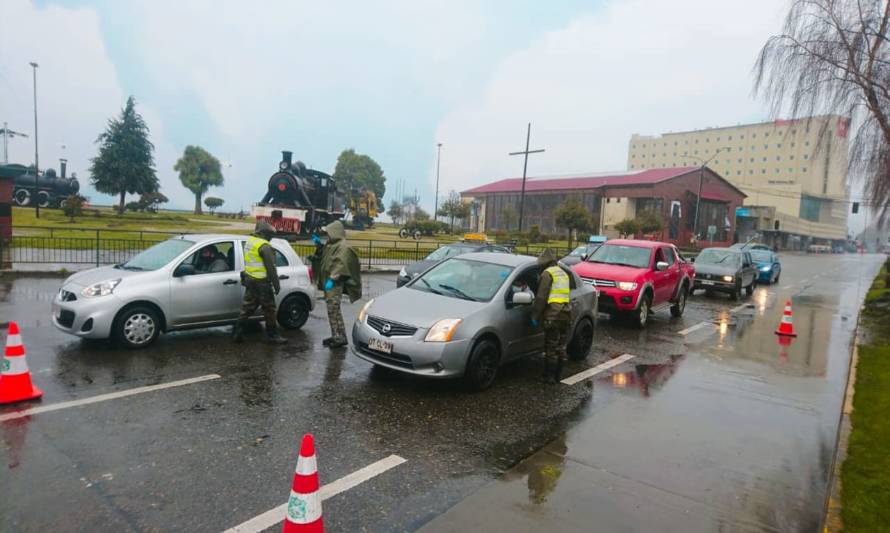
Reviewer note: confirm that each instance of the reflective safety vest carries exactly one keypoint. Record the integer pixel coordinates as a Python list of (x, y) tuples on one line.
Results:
[(559, 289), (253, 262)]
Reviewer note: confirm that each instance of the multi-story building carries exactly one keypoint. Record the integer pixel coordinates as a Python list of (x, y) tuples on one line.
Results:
[(795, 177)]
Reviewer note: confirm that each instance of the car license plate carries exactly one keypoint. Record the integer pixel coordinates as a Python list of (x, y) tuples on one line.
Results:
[(379, 345), (707, 282)]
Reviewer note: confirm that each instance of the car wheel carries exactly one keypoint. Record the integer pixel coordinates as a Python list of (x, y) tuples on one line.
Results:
[(137, 327), (293, 312), (482, 366), (736, 291), (641, 315), (582, 340), (678, 308), (749, 290), (779, 275)]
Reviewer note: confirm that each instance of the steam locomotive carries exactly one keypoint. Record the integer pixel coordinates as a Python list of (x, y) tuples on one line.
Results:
[(300, 200), (51, 188)]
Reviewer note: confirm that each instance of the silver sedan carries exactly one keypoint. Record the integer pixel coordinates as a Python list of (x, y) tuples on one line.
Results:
[(466, 317)]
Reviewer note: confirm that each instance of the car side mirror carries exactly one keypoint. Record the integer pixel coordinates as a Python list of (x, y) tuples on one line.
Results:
[(584, 257), (184, 270), (522, 298), (661, 266)]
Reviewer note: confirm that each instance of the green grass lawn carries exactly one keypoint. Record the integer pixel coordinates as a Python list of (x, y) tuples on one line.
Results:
[(865, 476)]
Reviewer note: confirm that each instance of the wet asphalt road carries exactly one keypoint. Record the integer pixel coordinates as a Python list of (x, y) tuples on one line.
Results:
[(718, 429)]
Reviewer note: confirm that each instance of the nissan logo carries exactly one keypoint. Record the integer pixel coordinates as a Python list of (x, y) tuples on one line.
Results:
[(386, 328)]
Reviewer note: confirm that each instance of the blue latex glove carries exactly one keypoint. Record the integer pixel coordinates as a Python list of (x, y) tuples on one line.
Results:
[(534, 323), (316, 239), (329, 284)]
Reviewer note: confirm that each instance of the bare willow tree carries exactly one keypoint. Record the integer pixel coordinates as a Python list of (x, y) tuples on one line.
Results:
[(832, 58)]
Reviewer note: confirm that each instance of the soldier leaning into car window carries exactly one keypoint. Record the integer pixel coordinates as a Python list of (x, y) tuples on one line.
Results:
[(260, 280), (341, 271), (553, 311)]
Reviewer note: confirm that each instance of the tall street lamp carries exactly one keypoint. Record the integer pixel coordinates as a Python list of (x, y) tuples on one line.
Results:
[(701, 181), (36, 160), (436, 201)]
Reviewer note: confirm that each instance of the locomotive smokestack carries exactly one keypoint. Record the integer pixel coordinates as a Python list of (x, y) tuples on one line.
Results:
[(287, 157), (63, 165)]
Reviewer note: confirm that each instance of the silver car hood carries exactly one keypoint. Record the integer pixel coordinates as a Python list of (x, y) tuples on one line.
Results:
[(98, 275), (420, 308)]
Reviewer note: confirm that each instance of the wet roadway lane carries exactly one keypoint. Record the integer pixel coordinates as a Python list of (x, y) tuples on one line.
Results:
[(720, 428)]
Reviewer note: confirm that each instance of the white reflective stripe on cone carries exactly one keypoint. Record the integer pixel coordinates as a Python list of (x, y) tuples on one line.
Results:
[(306, 466), (14, 365), (14, 340), (303, 508)]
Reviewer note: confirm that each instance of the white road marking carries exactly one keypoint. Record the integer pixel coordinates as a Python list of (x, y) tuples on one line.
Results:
[(590, 372), (786, 287), (696, 327), (738, 308), (276, 515), (105, 397)]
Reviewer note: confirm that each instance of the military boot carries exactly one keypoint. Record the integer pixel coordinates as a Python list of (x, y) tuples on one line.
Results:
[(545, 376), (557, 372), (272, 336), (327, 341), (238, 333)]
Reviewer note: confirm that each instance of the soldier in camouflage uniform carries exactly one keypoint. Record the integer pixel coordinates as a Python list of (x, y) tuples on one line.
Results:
[(552, 309), (260, 280), (339, 267)]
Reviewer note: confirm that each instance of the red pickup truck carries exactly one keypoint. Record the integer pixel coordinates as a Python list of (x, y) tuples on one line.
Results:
[(635, 278)]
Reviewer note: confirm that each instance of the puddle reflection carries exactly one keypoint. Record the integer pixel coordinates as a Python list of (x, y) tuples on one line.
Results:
[(542, 470), (644, 378)]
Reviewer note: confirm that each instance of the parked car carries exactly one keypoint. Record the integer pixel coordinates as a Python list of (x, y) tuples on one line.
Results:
[(725, 270), (750, 246), (635, 278), (442, 253), (186, 282), (578, 254), (465, 317), (768, 266)]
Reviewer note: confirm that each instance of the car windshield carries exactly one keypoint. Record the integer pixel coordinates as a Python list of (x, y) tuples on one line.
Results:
[(157, 256), (579, 251), (616, 254), (717, 256), (449, 251), (761, 255), (465, 279)]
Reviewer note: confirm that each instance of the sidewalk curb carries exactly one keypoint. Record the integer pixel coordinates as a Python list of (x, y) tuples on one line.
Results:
[(832, 521)]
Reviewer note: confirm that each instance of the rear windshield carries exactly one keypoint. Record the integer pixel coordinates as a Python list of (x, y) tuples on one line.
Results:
[(718, 256), (761, 255), (464, 279), (617, 254)]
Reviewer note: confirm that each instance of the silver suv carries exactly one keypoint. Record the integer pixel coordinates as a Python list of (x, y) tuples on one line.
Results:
[(186, 282)]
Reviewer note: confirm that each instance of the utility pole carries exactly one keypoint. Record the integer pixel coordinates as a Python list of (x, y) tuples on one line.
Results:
[(7, 133), (36, 160), (436, 201), (528, 136), (701, 182)]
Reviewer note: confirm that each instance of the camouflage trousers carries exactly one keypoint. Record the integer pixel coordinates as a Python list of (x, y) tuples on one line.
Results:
[(335, 317), (258, 293), (556, 333)]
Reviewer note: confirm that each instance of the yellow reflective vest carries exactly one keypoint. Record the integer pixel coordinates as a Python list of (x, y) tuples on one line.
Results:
[(253, 262), (559, 289)]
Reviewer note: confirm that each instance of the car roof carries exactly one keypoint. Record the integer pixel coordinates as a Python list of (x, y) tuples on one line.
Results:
[(635, 242), (733, 250), (202, 237), (498, 258)]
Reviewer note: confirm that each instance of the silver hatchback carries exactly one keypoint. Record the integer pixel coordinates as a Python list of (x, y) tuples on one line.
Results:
[(192, 281), (466, 317)]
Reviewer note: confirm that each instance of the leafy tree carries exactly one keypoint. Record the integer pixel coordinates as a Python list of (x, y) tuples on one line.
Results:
[(572, 216), (628, 227), (151, 200), (509, 217), (454, 207), (213, 203), (649, 223), (125, 163), (420, 214), (198, 171), (355, 172), (72, 206), (395, 211)]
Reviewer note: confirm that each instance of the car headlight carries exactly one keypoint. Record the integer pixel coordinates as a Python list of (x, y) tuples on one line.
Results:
[(766, 268), (443, 330), (403, 273), (364, 311), (627, 285), (100, 289), (727, 279)]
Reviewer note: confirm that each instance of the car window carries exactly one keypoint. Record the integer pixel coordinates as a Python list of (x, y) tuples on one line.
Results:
[(762, 255), (718, 256), (659, 255), (668, 256), (464, 279), (280, 259), (499, 249), (527, 280), (157, 256), (213, 258), (451, 250), (616, 254)]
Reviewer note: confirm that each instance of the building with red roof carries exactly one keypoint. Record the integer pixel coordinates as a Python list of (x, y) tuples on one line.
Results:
[(671, 194)]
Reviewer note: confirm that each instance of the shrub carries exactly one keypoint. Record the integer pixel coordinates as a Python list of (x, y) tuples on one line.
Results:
[(72, 206)]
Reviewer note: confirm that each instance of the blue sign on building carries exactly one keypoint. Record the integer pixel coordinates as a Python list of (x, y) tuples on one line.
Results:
[(742, 212)]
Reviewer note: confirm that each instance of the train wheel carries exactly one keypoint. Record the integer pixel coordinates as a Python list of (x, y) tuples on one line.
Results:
[(403, 233), (22, 197), (417, 235), (43, 199)]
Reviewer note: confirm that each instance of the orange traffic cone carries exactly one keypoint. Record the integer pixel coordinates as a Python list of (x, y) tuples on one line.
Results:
[(15, 379), (786, 327), (304, 504)]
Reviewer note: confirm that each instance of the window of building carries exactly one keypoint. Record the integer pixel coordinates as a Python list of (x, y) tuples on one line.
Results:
[(696, 141), (675, 154), (793, 132), (765, 146), (686, 141), (809, 208), (764, 160), (741, 148), (750, 172), (631, 166), (763, 171), (766, 134), (663, 154), (718, 139), (791, 157), (778, 158), (738, 172), (753, 135), (753, 147), (673, 164), (696, 151), (633, 146), (707, 139), (808, 142), (792, 145), (752, 160), (803, 169), (617, 200), (729, 138), (790, 170), (675, 143), (644, 156), (633, 156), (778, 170), (716, 161), (806, 156), (741, 136), (778, 145), (608, 200), (665, 144), (706, 150), (740, 159)]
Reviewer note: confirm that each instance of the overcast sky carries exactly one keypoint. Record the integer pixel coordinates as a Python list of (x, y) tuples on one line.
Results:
[(388, 78)]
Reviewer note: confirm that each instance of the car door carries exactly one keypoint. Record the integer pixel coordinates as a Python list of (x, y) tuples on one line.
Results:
[(207, 296), (673, 271), (750, 271), (521, 338), (661, 279)]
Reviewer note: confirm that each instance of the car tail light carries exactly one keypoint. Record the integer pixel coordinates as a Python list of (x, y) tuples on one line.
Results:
[(309, 270)]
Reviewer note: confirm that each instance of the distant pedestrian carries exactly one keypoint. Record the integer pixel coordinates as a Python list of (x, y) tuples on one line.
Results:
[(552, 309), (341, 270), (260, 280)]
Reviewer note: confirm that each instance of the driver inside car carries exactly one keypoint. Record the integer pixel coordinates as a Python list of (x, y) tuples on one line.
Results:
[(211, 260)]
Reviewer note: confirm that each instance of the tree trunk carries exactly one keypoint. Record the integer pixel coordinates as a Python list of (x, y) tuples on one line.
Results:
[(198, 203), (452, 224), (121, 207), (570, 241)]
